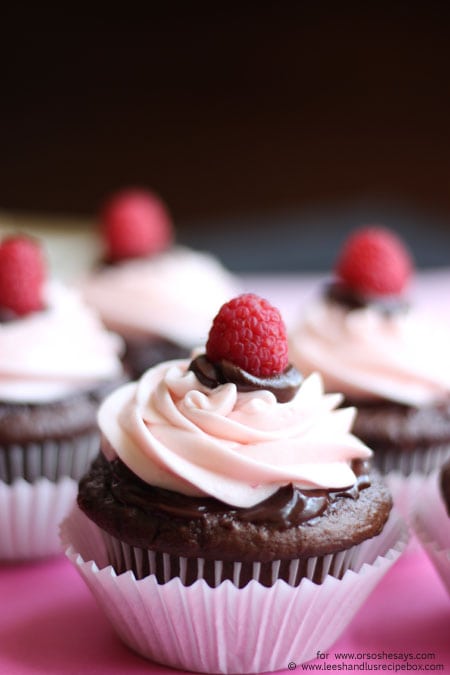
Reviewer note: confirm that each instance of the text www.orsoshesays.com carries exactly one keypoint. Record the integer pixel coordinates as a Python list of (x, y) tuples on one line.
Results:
[(396, 662)]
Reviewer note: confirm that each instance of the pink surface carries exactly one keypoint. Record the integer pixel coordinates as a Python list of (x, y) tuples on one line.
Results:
[(50, 623)]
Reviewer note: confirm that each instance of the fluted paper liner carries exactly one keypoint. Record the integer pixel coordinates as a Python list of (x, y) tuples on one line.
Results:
[(432, 525), (404, 473), (30, 514), (38, 490), (404, 490), (51, 458), (417, 461), (227, 629)]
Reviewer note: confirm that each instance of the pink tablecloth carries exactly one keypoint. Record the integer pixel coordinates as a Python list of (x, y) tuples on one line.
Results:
[(50, 624)]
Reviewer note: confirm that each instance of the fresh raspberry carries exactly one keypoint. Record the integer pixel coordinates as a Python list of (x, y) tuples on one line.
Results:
[(22, 275), (135, 223), (249, 332), (374, 261)]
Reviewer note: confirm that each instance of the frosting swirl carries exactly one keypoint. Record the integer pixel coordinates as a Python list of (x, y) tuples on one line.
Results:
[(57, 351), (175, 433), (368, 354), (173, 294)]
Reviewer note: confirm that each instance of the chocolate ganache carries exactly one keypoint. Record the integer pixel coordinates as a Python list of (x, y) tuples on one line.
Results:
[(288, 507), (284, 385), (347, 297)]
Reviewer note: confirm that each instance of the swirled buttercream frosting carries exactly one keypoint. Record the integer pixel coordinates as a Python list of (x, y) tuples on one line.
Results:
[(55, 352), (173, 294), (370, 354), (239, 447)]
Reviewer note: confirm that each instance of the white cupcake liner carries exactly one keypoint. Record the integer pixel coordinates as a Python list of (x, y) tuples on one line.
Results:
[(123, 557), (405, 472), (38, 491), (431, 523), (227, 629), (419, 461), (404, 490), (30, 514), (51, 459)]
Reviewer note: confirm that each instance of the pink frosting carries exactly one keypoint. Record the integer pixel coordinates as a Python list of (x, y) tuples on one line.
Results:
[(175, 433), (366, 354), (50, 354), (175, 294)]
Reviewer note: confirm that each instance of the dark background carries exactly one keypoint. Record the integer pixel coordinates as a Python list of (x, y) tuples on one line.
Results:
[(270, 129)]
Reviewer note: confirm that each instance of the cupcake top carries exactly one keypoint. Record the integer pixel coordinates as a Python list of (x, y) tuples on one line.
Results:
[(149, 286), (362, 335), (51, 343), (173, 295), (236, 423)]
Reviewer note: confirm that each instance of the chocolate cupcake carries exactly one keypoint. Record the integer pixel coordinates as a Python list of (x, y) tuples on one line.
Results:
[(158, 296), (229, 484), (57, 363), (388, 359), (161, 528)]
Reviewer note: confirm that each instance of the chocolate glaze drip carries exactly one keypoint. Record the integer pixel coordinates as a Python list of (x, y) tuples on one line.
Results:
[(288, 507), (106, 261), (343, 295), (284, 385), (8, 315)]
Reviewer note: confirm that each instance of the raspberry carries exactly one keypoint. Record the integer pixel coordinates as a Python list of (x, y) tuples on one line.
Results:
[(249, 332), (135, 223), (374, 261), (22, 275)]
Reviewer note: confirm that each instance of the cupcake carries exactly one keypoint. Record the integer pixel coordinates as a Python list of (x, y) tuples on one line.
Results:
[(387, 358), (431, 520), (158, 296), (56, 364), (230, 492)]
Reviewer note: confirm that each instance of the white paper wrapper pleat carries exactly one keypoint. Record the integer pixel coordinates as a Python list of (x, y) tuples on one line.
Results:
[(30, 514), (52, 459), (227, 629), (421, 462), (405, 472), (404, 490), (142, 562), (432, 526)]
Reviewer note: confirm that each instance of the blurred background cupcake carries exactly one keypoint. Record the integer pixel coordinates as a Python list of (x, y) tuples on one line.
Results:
[(431, 520), (157, 295), (368, 340), (232, 492), (56, 364)]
